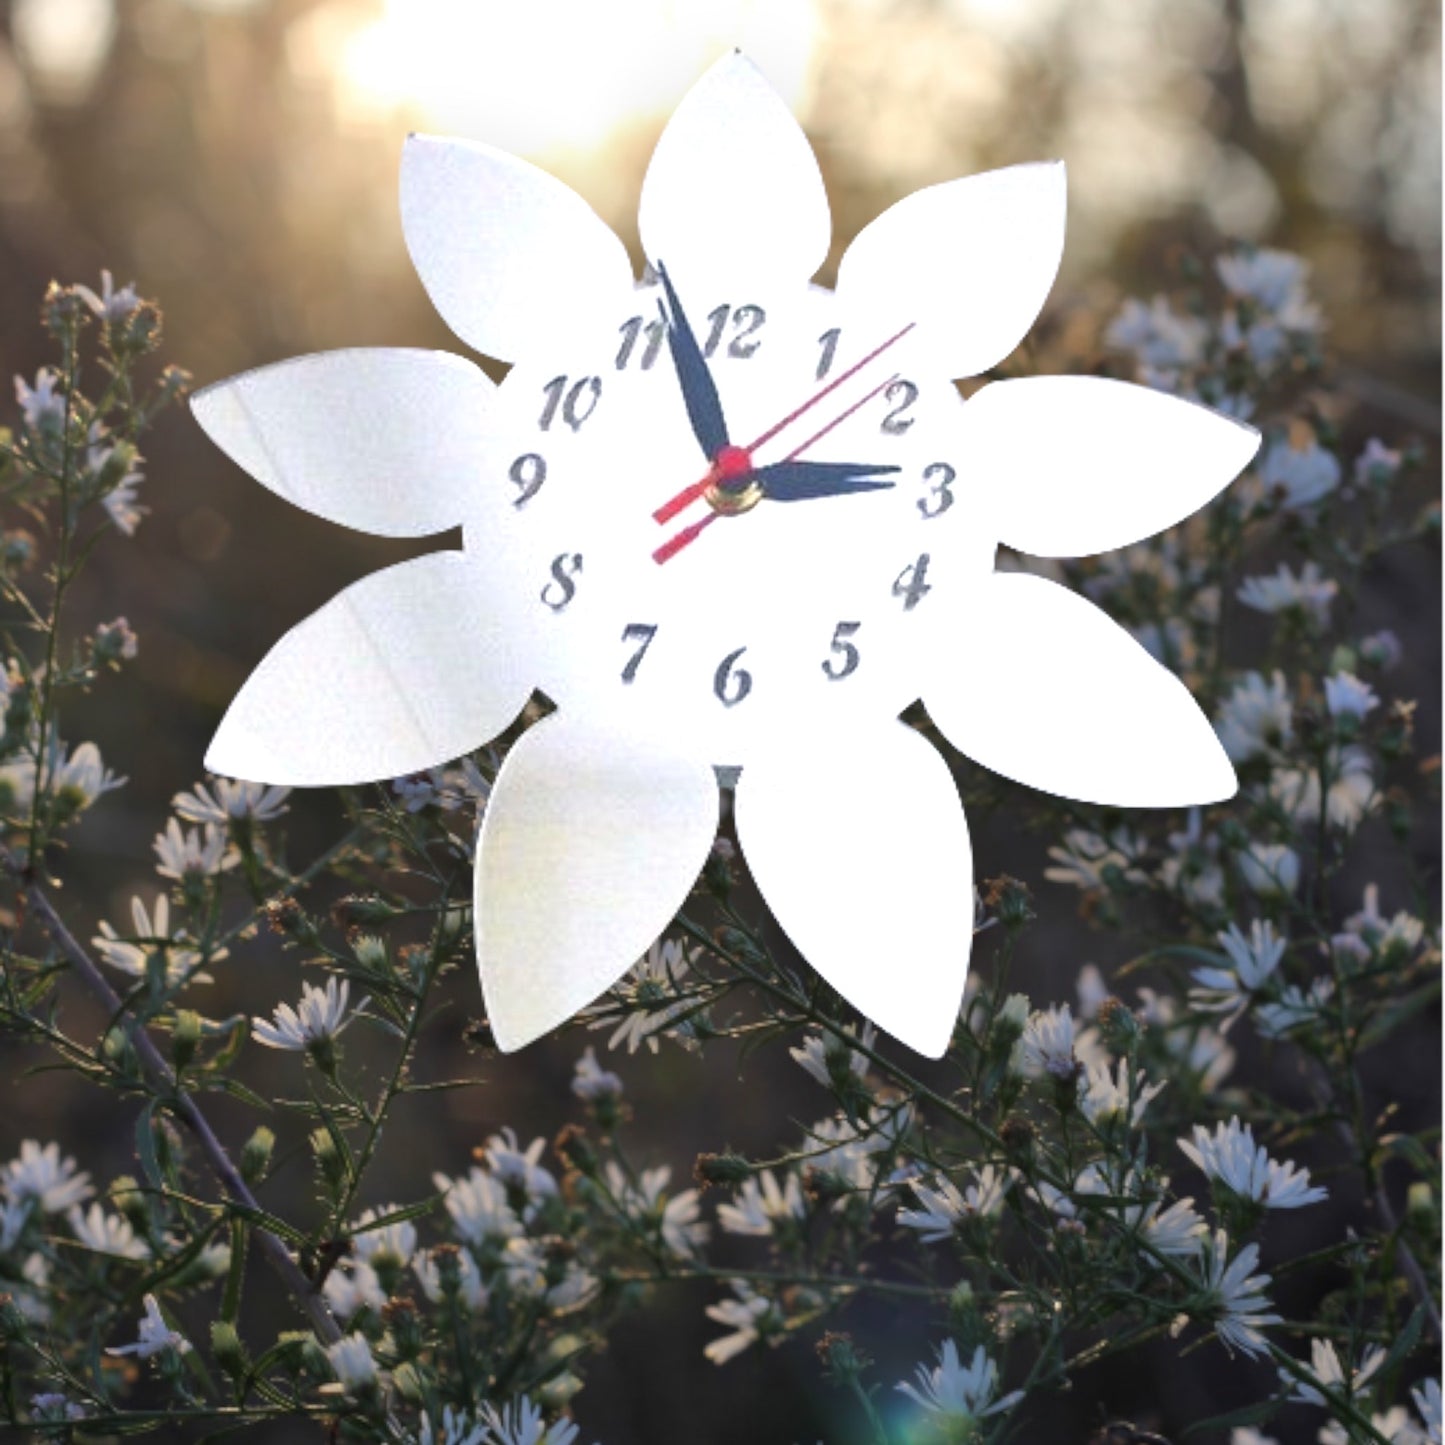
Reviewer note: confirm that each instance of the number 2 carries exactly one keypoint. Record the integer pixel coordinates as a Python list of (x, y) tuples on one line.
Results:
[(895, 423)]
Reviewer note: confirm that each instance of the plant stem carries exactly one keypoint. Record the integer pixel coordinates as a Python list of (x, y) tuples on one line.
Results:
[(182, 1105)]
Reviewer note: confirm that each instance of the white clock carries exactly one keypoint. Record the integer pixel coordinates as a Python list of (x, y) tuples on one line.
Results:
[(724, 518)]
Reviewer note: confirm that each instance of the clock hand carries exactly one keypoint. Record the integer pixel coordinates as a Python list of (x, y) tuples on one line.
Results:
[(688, 495), (675, 544), (699, 394), (795, 481)]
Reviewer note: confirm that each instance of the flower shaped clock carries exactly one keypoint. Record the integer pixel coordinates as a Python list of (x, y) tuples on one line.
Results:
[(724, 518)]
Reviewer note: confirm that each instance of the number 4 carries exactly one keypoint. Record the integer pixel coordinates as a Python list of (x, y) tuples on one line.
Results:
[(910, 584)]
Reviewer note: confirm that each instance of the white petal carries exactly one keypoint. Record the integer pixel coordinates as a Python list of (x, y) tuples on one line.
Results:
[(511, 257), (1042, 687), (404, 670), (386, 440), (1081, 464), (733, 189), (971, 261), (872, 879), (589, 845)]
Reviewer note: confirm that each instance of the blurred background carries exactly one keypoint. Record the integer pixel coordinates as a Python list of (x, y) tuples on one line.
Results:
[(237, 159)]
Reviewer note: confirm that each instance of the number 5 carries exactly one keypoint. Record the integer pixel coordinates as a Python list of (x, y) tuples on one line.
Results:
[(844, 649)]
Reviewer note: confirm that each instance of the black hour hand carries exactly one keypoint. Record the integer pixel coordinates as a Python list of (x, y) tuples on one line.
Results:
[(803, 481), (699, 395)]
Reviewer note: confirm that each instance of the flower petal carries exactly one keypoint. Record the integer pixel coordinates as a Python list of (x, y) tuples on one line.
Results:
[(1044, 688), (733, 188), (589, 845), (1082, 464), (873, 883), (510, 256), (404, 670), (386, 440), (970, 260)]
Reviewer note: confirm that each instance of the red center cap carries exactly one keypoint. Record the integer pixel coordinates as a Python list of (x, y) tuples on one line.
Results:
[(731, 463)]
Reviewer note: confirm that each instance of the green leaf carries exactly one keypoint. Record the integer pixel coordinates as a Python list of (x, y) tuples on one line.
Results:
[(145, 1145), (1255, 1414)]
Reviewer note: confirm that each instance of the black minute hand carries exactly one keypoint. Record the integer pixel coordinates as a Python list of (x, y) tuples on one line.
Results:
[(794, 481), (699, 395)]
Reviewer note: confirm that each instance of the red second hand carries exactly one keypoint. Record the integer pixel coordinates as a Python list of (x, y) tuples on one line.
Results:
[(685, 498), (674, 545)]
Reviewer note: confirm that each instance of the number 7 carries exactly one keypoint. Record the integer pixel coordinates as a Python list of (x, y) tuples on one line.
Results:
[(633, 632)]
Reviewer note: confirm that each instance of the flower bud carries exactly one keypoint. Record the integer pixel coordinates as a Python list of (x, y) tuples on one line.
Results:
[(256, 1154), (228, 1350), (185, 1037), (720, 1169)]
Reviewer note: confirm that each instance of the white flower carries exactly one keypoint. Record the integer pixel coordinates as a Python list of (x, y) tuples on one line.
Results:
[(111, 304), (1047, 1045), (1395, 1425), (353, 1363), (1178, 1230), (1376, 462), (351, 1286), (1090, 988), (750, 1316), (51, 1406), (41, 404), (394, 1243), (818, 1053), (1269, 870), (1351, 793), (156, 1336), (520, 1423), (1252, 962), (478, 1207), (591, 1082), (1238, 1304), (1299, 475), (1231, 1156), (1347, 696), (519, 1169), (320, 1016), (1382, 649), (1329, 1374), (1256, 716), (649, 990), (228, 800), (942, 1210), (1104, 1096), (1311, 592), (1248, 1435), (41, 1175), (762, 1202), (121, 506), (13, 1215), (1403, 931), (1085, 857), (106, 1233), (959, 1394), (1157, 334), (77, 780), (472, 1292), (1270, 278), (155, 931), (457, 1428), (1428, 1402), (198, 852), (1293, 1007), (678, 1219)]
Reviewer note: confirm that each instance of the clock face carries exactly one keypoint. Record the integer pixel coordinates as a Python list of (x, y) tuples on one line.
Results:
[(718, 596)]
